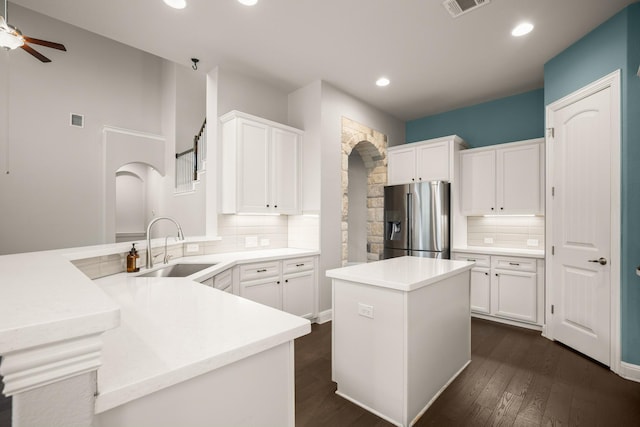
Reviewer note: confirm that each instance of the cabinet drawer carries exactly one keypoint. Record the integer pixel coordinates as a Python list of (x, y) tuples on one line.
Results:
[(258, 271), (517, 264), (480, 259), (296, 265), (223, 281)]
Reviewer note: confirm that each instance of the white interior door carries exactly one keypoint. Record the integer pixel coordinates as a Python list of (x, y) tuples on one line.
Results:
[(584, 132)]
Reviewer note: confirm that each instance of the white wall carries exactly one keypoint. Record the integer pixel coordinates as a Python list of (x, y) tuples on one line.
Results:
[(51, 197), (190, 109), (357, 220), (335, 105)]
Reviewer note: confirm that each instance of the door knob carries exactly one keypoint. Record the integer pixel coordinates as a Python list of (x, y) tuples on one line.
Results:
[(601, 261)]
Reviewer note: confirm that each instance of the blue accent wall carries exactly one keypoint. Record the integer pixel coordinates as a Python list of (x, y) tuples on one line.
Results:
[(611, 46), (514, 118)]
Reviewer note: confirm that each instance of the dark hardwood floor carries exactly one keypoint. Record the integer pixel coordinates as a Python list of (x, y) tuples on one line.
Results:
[(516, 377)]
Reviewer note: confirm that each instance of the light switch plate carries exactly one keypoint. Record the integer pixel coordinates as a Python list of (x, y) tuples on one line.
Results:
[(251, 241), (488, 239), (532, 242), (193, 247), (264, 242), (365, 310)]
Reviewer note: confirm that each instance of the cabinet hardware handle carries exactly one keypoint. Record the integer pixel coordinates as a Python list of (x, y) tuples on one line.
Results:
[(501, 209), (299, 265), (486, 274), (496, 274), (267, 205), (278, 282), (514, 263), (275, 206), (286, 281), (262, 270), (413, 179), (601, 261), (420, 179), (491, 208), (470, 259)]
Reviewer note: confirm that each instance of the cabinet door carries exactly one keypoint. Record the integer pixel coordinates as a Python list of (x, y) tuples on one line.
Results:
[(433, 162), (401, 167), (297, 294), (481, 290), (478, 182), (253, 167), (267, 292), (515, 295), (285, 154), (519, 180)]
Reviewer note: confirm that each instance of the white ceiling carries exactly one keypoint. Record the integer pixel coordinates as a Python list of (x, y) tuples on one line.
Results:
[(436, 63)]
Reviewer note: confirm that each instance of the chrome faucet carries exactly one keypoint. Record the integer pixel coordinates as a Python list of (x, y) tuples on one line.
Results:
[(149, 258)]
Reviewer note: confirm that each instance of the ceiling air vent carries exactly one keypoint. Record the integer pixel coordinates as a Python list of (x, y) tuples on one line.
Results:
[(460, 7)]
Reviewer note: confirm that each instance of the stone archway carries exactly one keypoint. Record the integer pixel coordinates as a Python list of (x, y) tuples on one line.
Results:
[(372, 147)]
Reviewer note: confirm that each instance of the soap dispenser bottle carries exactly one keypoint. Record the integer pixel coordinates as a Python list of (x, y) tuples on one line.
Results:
[(132, 260)]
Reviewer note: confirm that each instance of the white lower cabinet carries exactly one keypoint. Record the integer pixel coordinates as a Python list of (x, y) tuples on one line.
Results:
[(287, 285), (222, 281), (481, 290), (506, 288)]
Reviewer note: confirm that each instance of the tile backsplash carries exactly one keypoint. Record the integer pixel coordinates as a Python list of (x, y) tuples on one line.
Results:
[(522, 232), (236, 233)]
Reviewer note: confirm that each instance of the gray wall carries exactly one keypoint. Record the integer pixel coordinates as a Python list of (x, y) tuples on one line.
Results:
[(51, 196)]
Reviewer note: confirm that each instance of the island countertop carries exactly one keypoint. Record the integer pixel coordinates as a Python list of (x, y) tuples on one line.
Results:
[(404, 273)]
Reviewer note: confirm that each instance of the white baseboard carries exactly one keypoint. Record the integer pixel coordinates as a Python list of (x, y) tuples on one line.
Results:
[(629, 371), (324, 316)]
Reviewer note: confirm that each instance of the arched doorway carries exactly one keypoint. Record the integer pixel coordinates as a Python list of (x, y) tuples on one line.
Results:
[(370, 147)]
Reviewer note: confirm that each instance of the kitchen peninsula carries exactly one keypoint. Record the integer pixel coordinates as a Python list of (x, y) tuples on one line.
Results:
[(401, 333), (130, 350)]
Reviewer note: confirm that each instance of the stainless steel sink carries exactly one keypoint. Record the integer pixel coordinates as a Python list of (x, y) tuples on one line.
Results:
[(177, 270)]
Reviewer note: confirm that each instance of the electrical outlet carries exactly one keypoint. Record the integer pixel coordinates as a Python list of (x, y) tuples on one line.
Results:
[(251, 241), (532, 242), (193, 247), (264, 242), (488, 240), (365, 310)]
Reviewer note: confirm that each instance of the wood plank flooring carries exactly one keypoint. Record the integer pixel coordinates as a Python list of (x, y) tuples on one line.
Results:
[(516, 378)]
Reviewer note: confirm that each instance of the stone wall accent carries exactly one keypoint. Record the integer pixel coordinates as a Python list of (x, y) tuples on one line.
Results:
[(372, 147)]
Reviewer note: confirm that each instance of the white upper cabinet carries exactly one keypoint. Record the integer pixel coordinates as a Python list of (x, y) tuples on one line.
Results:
[(430, 160), (505, 179), (260, 165)]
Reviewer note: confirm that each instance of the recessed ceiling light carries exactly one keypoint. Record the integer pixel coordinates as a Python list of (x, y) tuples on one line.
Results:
[(522, 29), (382, 81), (176, 4), (248, 2)]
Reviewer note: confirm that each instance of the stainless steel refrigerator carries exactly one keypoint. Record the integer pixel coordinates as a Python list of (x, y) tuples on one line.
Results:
[(416, 220)]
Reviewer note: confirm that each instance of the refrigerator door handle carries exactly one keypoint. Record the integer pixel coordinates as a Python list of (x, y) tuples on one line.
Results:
[(409, 220)]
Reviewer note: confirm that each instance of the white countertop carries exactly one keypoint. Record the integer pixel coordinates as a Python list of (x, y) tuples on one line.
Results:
[(531, 253), (45, 299), (174, 329), (404, 273), (171, 329)]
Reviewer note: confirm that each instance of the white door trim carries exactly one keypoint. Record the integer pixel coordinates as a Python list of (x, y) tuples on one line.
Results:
[(613, 81)]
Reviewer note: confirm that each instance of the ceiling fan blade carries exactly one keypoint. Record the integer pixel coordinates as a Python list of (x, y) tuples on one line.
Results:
[(35, 53), (45, 43)]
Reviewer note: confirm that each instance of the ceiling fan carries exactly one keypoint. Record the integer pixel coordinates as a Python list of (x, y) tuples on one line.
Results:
[(11, 38)]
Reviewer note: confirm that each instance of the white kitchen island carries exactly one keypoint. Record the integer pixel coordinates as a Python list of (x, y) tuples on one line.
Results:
[(401, 333)]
